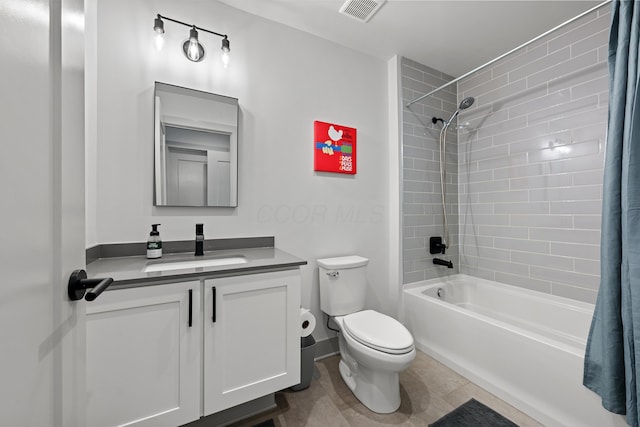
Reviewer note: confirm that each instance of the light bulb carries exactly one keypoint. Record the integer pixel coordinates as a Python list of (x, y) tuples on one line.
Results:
[(158, 27), (193, 52), (159, 41), (192, 49), (225, 51)]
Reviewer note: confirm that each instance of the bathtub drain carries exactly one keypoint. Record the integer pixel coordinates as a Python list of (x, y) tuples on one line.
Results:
[(440, 293)]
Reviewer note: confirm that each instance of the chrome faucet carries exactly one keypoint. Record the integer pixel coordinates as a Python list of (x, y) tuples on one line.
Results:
[(199, 239)]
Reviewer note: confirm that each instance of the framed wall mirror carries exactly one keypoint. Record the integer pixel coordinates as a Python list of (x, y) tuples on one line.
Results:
[(196, 148)]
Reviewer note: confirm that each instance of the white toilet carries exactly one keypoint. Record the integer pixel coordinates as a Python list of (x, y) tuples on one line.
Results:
[(374, 348)]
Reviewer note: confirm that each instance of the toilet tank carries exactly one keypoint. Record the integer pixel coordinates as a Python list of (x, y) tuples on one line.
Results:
[(343, 284)]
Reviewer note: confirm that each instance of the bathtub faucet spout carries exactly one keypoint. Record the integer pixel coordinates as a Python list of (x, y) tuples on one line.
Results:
[(438, 261)]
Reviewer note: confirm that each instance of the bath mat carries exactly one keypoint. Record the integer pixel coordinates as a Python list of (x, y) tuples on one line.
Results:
[(268, 423), (473, 413)]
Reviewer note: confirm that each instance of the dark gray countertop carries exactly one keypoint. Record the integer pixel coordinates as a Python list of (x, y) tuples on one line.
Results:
[(128, 271)]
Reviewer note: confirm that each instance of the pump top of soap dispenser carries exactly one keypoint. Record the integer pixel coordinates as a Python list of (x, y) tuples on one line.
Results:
[(154, 230)]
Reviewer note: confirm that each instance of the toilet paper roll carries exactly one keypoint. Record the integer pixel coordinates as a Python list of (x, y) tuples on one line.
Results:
[(307, 322)]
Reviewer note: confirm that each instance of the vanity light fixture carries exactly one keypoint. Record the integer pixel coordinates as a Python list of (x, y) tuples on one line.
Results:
[(193, 50)]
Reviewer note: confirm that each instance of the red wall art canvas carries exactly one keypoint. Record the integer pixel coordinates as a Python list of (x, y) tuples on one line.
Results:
[(334, 148)]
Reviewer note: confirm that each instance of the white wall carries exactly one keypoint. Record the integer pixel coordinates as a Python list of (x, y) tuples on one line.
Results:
[(284, 80)]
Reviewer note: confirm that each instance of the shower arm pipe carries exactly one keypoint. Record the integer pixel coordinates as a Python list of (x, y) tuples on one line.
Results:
[(575, 18)]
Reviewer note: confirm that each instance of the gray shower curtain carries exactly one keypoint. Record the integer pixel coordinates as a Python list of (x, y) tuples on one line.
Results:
[(612, 358)]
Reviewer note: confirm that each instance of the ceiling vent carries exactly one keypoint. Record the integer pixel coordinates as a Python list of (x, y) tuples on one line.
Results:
[(362, 10)]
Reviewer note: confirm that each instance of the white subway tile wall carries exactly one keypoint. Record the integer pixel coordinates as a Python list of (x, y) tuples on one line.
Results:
[(421, 207), (524, 165), (530, 164)]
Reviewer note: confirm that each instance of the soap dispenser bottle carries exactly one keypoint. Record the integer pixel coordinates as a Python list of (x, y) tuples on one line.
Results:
[(154, 244)]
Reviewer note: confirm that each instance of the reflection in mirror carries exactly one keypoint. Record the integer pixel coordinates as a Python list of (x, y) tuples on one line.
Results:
[(196, 145)]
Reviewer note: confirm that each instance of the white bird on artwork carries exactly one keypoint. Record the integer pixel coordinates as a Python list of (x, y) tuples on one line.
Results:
[(334, 134)]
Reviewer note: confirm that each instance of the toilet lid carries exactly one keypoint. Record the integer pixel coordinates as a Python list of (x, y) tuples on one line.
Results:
[(379, 331)]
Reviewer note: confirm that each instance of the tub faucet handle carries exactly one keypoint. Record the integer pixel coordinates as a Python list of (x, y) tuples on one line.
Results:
[(436, 246)]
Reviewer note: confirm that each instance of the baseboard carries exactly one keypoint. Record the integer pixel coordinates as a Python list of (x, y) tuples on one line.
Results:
[(237, 413), (326, 348)]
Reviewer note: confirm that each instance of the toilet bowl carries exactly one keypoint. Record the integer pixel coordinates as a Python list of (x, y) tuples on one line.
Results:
[(374, 347), (371, 359)]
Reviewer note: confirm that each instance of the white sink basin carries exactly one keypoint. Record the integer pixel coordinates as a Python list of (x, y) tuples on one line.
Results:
[(214, 262)]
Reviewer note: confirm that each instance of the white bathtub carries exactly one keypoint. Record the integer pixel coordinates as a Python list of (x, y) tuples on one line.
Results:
[(525, 347)]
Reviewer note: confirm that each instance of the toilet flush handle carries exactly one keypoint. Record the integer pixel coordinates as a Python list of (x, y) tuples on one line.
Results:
[(333, 274)]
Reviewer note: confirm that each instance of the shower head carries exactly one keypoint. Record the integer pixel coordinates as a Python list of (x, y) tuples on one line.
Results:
[(466, 103)]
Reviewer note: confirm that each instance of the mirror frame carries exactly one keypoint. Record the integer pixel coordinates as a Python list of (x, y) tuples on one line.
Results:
[(159, 181)]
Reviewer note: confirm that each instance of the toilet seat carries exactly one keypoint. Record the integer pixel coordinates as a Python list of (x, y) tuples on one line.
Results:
[(379, 332)]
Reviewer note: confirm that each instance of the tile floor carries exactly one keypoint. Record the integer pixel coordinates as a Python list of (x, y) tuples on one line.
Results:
[(428, 390)]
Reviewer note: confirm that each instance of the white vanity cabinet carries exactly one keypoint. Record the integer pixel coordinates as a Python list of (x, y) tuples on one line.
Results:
[(144, 356), (251, 337), (167, 354)]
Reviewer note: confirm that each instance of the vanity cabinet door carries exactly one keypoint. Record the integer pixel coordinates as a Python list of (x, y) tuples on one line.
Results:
[(144, 356), (251, 337)]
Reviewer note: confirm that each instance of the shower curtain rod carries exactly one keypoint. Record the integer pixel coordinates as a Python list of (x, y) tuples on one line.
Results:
[(409, 104)]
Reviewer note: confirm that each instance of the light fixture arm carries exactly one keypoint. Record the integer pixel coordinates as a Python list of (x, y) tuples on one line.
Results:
[(192, 26)]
